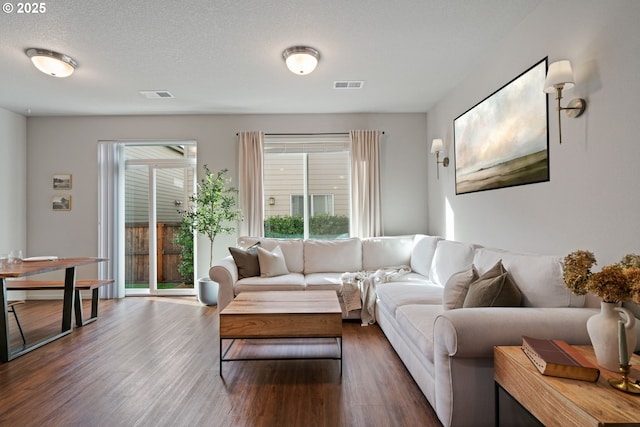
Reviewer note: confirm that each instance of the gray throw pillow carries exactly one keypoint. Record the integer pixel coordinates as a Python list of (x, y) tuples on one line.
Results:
[(493, 291), (455, 291), (246, 261), (494, 271)]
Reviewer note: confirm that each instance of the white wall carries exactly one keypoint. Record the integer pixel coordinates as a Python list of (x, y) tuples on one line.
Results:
[(69, 145), (593, 198), (13, 181)]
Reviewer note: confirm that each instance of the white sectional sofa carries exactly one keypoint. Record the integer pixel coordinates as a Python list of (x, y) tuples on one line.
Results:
[(448, 351), (313, 264)]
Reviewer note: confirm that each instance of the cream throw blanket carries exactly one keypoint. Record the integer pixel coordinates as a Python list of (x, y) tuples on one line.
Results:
[(359, 289)]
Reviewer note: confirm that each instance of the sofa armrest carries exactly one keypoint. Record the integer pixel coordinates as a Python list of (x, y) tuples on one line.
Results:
[(225, 272), (473, 332)]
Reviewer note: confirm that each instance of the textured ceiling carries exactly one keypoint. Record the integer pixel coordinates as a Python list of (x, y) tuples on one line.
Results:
[(224, 56)]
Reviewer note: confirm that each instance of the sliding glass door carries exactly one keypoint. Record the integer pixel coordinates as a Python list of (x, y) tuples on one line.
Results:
[(158, 180)]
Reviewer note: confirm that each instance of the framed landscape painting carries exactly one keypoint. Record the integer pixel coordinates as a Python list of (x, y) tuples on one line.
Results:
[(503, 141)]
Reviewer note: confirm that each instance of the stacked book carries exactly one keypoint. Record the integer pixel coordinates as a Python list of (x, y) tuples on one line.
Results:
[(558, 359)]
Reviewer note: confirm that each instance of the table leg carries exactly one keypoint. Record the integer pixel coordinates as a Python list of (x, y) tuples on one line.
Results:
[(69, 294), (496, 410), (77, 306), (340, 344), (4, 324), (94, 303)]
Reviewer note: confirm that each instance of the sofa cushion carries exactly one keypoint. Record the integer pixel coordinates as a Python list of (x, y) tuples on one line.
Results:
[(394, 295), (416, 323), (323, 281), (539, 277), (378, 252), (495, 288), (412, 277), (449, 258), (332, 256), (291, 248), (272, 263), (246, 261), (287, 282), (424, 247), (455, 291)]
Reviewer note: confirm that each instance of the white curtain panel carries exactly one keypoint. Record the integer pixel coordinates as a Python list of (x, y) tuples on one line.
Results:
[(109, 194), (366, 211), (250, 157)]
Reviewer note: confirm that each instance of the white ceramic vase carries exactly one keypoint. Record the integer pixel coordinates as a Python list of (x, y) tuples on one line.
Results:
[(603, 332)]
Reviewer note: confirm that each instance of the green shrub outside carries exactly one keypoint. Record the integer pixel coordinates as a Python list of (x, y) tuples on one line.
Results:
[(284, 226), (320, 226), (184, 240)]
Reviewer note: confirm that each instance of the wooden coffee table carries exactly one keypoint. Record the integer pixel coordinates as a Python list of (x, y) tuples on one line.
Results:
[(281, 314)]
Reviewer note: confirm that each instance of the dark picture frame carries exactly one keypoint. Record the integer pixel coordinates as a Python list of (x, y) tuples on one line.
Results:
[(61, 202), (62, 181), (503, 141)]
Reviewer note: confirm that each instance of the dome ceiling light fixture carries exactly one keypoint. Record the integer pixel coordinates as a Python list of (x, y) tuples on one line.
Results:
[(301, 60), (52, 63)]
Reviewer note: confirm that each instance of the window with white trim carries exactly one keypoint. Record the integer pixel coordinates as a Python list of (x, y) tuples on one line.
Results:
[(307, 186)]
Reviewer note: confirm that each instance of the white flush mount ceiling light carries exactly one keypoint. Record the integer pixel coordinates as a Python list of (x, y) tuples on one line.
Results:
[(52, 63), (301, 60)]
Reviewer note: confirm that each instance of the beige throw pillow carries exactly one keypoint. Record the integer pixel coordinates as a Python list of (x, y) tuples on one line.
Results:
[(455, 291), (495, 288), (272, 263)]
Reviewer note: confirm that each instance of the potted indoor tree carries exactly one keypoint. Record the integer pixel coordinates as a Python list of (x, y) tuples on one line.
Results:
[(212, 211)]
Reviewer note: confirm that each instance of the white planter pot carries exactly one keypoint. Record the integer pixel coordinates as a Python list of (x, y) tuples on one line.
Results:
[(207, 291)]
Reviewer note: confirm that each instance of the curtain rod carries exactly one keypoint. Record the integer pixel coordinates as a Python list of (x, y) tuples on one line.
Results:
[(305, 134)]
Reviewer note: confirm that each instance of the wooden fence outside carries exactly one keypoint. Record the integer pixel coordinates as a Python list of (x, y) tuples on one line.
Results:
[(137, 253)]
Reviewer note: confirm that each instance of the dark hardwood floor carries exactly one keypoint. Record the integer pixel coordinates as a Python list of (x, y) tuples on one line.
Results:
[(155, 362)]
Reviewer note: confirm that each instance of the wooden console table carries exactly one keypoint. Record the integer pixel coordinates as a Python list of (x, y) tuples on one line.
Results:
[(565, 402), (36, 267)]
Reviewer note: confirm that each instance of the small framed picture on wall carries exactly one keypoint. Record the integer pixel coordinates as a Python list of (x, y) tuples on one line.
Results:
[(61, 202), (62, 181)]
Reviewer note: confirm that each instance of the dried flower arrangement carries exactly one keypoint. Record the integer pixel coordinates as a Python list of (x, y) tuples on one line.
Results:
[(614, 283)]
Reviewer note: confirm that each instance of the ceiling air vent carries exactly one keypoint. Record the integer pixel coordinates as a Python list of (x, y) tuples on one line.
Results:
[(156, 94), (348, 84)]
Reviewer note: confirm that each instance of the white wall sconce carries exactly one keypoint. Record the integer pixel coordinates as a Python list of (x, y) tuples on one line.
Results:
[(436, 147), (52, 63), (301, 60), (559, 78)]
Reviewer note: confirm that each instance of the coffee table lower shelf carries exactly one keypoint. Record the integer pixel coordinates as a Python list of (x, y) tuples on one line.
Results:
[(282, 348)]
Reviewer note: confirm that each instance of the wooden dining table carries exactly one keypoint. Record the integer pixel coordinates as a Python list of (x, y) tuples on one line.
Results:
[(28, 268)]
